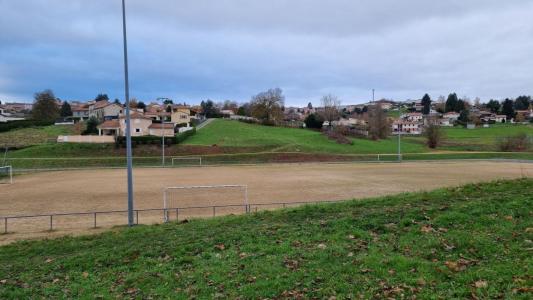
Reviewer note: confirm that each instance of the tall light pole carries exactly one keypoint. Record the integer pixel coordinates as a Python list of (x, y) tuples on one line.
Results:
[(128, 127), (373, 91), (163, 138), (399, 144)]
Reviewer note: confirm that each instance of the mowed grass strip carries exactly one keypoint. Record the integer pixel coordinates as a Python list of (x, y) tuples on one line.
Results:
[(469, 242)]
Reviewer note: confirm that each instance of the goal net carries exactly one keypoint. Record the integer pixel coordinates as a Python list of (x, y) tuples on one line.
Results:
[(6, 175), (187, 161), (204, 201)]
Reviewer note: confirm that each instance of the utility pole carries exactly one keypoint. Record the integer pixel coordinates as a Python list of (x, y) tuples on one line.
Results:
[(128, 121), (399, 144), (373, 91)]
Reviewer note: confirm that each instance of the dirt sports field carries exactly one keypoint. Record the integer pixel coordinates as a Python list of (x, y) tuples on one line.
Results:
[(104, 190)]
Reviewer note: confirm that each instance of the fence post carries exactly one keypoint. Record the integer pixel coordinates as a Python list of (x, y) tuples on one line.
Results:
[(94, 220), (137, 216), (214, 208), (177, 214), (5, 225), (51, 222)]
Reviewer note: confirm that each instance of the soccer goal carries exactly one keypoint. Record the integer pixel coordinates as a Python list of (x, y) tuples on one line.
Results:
[(6, 175), (187, 161), (204, 200)]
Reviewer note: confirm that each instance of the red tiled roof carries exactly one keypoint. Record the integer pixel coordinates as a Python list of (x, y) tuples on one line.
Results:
[(109, 124), (159, 126), (135, 115)]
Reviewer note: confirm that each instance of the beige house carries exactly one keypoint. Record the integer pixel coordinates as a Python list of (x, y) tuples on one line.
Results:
[(104, 110), (141, 125), (180, 115), (159, 129)]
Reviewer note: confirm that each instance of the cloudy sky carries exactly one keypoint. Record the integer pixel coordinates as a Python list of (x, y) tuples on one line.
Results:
[(190, 50)]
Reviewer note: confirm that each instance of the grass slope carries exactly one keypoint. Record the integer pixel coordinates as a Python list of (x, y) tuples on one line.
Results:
[(482, 139), (238, 134), (473, 241), (34, 135)]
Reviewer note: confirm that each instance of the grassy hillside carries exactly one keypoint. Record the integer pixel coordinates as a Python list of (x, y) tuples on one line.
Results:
[(238, 134), (33, 135), (482, 139), (469, 242)]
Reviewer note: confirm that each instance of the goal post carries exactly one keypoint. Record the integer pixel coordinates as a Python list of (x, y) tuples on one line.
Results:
[(204, 197), (186, 160), (6, 175)]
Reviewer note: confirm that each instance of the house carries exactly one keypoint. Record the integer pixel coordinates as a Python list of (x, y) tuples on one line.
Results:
[(406, 127), (109, 127), (159, 129), (104, 110), (492, 118), (18, 107), (524, 115), (227, 113), (452, 116), (80, 111), (181, 114), (6, 117), (413, 117)]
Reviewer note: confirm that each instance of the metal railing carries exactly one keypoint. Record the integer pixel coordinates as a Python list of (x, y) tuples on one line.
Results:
[(166, 213)]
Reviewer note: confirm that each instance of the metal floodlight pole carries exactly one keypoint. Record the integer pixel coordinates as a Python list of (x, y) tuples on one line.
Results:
[(128, 121), (163, 138), (373, 91), (399, 144)]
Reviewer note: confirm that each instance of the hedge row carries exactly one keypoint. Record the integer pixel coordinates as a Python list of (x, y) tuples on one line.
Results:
[(156, 140), (23, 124)]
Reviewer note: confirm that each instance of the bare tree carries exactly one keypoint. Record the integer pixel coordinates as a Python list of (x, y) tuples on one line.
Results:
[(267, 106), (330, 104), (379, 126), (434, 135)]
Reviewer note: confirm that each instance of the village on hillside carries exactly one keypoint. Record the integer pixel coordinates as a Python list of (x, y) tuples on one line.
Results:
[(106, 118)]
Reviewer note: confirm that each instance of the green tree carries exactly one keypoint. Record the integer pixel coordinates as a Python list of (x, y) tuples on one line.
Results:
[(494, 106), (141, 105), (209, 109), (101, 97), (451, 102), (45, 107), (508, 108), (168, 101), (464, 116), (241, 111), (66, 110), (426, 103), (313, 121), (117, 101), (522, 103), (92, 126), (460, 106)]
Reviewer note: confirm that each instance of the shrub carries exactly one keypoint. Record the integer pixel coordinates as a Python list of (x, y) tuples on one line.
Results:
[(434, 136), (23, 124), (180, 137), (517, 143), (337, 136)]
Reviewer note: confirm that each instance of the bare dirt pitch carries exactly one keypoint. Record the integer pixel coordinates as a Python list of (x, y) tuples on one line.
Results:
[(104, 190)]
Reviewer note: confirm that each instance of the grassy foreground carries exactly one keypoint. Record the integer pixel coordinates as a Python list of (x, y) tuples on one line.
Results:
[(468, 242)]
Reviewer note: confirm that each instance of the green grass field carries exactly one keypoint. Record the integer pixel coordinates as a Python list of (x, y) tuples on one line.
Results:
[(469, 242), (482, 139), (225, 141), (238, 134)]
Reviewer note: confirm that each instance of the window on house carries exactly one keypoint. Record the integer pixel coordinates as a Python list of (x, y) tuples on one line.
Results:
[(137, 130)]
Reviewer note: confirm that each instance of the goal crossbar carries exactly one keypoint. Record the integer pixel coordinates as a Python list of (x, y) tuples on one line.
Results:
[(198, 187), (198, 158), (9, 173)]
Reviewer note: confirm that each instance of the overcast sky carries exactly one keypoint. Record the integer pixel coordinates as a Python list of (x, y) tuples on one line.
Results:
[(190, 50)]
